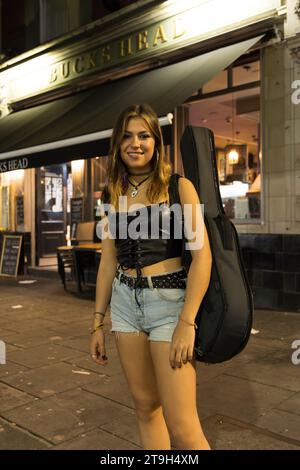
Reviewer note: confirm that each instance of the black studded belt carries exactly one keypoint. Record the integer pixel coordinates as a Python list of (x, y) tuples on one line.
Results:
[(175, 280)]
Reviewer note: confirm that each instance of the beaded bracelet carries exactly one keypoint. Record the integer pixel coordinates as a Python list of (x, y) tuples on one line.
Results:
[(188, 323)]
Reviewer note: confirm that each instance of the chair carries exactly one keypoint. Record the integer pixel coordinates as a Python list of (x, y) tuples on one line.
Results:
[(74, 264)]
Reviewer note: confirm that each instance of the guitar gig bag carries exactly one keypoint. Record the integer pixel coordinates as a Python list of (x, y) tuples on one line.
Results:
[(225, 315)]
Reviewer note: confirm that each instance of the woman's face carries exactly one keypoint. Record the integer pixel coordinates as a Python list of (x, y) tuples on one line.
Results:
[(137, 146)]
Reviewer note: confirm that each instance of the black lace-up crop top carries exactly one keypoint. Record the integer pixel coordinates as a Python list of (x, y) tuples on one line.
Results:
[(150, 234), (145, 250)]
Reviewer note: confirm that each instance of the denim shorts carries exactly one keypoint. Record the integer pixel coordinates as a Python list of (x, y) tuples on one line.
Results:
[(158, 312)]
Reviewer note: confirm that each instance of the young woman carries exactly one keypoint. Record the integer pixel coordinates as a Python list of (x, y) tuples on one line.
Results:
[(153, 302)]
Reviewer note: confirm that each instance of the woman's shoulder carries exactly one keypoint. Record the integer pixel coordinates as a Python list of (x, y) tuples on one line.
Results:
[(180, 180), (187, 191)]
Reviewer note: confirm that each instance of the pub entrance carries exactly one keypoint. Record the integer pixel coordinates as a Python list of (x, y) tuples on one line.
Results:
[(53, 194)]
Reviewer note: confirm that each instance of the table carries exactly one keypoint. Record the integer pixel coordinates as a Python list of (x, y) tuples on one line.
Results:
[(83, 261), (86, 258)]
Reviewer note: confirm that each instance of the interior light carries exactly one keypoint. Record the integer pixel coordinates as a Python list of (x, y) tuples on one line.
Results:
[(77, 166), (233, 157)]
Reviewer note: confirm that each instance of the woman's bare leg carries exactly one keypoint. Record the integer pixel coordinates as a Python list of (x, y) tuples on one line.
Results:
[(136, 361), (177, 390)]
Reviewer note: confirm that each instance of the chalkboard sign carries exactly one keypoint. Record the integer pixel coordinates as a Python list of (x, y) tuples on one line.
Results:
[(10, 256), (19, 211), (77, 204)]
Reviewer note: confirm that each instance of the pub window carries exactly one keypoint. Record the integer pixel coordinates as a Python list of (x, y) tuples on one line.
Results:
[(246, 73), (217, 83), (229, 105), (234, 119)]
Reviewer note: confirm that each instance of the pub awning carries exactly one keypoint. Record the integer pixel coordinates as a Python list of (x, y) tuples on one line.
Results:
[(79, 126)]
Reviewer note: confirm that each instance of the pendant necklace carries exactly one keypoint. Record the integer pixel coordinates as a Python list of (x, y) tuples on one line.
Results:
[(135, 191)]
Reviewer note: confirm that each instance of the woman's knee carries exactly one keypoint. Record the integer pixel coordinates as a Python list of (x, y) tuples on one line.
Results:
[(182, 435), (186, 434), (147, 410)]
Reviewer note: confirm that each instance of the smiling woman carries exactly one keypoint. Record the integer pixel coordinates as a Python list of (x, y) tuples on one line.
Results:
[(137, 150), (152, 300)]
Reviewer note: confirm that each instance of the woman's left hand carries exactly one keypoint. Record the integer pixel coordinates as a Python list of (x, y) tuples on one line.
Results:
[(182, 346)]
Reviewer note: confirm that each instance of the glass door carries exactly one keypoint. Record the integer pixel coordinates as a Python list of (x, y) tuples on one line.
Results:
[(51, 209)]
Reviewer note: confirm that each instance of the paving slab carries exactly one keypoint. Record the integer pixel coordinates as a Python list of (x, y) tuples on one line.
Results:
[(275, 368), (251, 352), (5, 332), (272, 324), (276, 344), (22, 319), (66, 415), (127, 428), (292, 404), (81, 343), (7, 323), (12, 398), (14, 438), (114, 388), (237, 398), (33, 338), (77, 328), (10, 368), (42, 355), (9, 348), (97, 440), (67, 316), (281, 422), (49, 380), (226, 434), (113, 366)]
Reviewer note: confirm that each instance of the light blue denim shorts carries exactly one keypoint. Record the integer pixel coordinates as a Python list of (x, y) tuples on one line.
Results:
[(158, 312)]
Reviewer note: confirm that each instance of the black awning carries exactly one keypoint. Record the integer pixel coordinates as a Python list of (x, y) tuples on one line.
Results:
[(70, 128)]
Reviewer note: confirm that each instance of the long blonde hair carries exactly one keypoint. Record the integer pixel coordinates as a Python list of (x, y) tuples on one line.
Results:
[(117, 182)]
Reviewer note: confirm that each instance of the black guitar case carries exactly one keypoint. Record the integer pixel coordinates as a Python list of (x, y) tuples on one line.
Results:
[(225, 316)]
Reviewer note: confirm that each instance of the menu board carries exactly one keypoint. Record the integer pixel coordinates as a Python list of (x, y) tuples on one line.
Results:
[(10, 255), (20, 210), (77, 205)]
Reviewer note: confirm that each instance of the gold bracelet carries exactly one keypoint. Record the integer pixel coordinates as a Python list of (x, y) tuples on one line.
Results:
[(98, 327), (99, 313), (188, 323)]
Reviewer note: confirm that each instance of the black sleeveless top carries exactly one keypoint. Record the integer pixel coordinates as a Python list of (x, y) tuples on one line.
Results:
[(150, 234)]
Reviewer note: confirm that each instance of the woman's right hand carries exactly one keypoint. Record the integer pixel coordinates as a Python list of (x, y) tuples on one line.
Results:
[(97, 347)]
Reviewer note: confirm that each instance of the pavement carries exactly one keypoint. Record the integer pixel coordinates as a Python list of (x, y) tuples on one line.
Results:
[(54, 397)]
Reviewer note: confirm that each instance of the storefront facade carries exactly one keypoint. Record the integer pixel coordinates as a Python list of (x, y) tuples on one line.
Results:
[(247, 95)]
